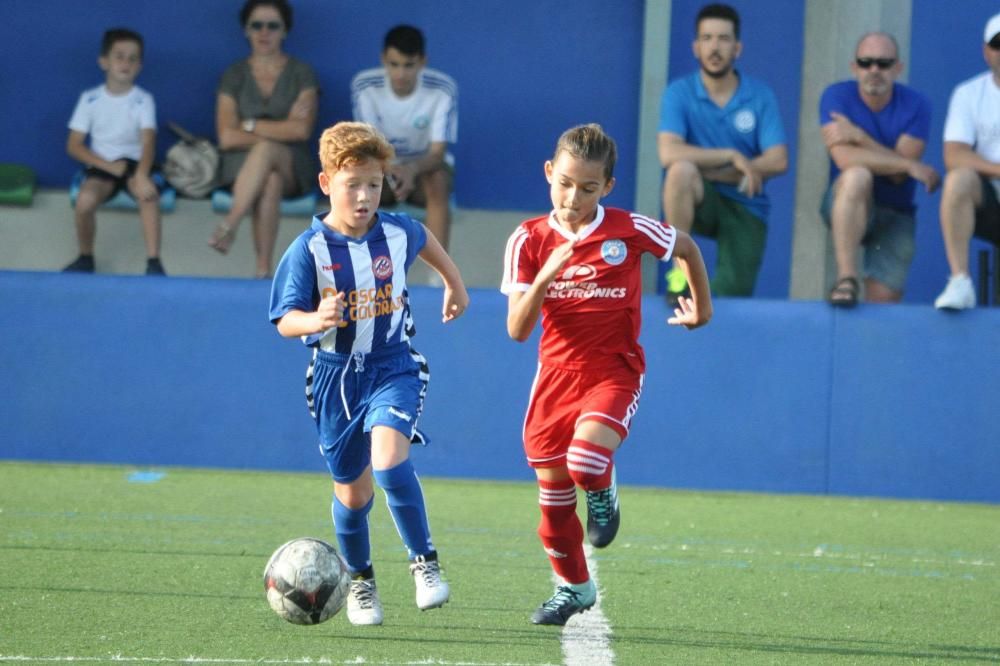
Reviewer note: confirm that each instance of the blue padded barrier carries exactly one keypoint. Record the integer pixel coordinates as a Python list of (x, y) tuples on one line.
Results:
[(771, 396), (123, 200)]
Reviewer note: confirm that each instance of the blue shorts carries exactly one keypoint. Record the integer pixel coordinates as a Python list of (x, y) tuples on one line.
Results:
[(350, 394), (889, 242)]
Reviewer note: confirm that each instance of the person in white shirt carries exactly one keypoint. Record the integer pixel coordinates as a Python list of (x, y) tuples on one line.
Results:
[(119, 117), (416, 108), (969, 198)]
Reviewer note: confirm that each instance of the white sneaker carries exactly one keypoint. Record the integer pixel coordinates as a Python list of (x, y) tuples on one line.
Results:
[(958, 294), (432, 591), (363, 605)]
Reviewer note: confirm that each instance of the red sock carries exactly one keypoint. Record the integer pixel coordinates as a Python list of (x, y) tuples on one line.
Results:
[(589, 465), (561, 531)]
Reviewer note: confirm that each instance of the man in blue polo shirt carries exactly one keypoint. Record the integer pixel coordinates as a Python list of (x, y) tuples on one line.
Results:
[(875, 131), (720, 138)]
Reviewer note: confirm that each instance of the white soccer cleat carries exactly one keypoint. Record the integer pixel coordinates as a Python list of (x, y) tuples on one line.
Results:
[(432, 591), (958, 294), (363, 605)]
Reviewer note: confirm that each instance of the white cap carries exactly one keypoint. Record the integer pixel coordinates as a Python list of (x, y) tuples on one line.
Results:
[(992, 29)]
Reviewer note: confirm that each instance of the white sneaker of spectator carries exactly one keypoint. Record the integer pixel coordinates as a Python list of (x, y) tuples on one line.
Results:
[(958, 294)]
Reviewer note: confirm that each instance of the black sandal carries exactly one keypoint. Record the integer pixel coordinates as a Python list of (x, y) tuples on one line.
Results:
[(844, 293)]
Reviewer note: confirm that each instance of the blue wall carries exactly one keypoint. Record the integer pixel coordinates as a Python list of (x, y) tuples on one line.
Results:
[(771, 396), (522, 82)]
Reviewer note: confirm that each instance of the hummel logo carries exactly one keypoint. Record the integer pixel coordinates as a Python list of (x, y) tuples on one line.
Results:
[(555, 553), (399, 415)]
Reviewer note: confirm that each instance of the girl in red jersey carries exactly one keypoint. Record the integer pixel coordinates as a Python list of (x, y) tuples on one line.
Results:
[(579, 268)]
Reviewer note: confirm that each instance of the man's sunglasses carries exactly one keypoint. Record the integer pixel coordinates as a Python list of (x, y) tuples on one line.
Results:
[(273, 26), (994, 43), (881, 63)]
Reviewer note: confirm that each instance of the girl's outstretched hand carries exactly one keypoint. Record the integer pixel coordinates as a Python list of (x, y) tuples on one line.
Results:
[(687, 315)]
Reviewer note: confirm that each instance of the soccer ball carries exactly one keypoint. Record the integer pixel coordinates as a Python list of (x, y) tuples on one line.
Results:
[(306, 581)]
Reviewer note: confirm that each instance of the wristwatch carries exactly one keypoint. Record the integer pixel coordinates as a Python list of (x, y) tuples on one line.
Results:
[(249, 124)]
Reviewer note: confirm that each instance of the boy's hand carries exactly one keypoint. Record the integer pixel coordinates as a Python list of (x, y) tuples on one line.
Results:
[(556, 261), (456, 302), (330, 312), (142, 187), (403, 180), (686, 314), (119, 167)]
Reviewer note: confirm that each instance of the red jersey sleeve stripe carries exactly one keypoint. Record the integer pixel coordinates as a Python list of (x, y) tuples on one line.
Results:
[(660, 234), (653, 228), (512, 256)]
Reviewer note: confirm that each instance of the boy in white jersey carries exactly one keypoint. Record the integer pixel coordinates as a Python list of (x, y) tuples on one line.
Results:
[(341, 287), (579, 269), (119, 117), (416, 108)]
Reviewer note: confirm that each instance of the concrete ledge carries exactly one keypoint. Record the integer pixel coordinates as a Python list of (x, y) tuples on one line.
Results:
[(41, 238)]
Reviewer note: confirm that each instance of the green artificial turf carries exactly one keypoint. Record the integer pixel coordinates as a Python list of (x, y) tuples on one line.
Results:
[(109, 563)]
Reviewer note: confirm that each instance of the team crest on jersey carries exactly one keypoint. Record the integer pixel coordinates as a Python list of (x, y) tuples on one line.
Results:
[(744, 121), (382, 267), (421, 122), (613, 251)]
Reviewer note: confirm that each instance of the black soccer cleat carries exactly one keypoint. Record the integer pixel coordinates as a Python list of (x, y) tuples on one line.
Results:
[(603, 515), (564, 604)]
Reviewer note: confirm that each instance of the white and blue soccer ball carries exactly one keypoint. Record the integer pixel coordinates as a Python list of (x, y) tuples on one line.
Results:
[(306, 581)]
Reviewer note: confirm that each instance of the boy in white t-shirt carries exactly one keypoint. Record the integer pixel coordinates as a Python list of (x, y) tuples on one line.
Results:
[(119, 117), (969, 198), (416, 108)]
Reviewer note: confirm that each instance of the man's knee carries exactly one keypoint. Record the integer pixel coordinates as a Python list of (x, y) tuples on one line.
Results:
[(681, 175), (854, 184), (961, 185)]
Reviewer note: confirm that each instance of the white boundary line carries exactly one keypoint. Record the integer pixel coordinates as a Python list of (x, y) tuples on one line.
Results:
[(586, 638), (123, 659)]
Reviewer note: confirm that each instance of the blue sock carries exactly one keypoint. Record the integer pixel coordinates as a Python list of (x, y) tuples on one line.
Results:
[(351, 527), (406, 504)]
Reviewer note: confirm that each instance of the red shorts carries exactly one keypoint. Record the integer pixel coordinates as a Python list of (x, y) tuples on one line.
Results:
[(562, 399)]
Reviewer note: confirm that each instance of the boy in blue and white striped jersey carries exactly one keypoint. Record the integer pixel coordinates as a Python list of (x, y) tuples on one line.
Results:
[(341, 287)]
